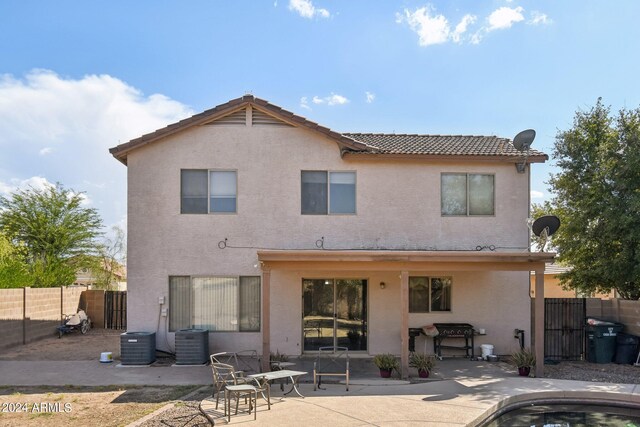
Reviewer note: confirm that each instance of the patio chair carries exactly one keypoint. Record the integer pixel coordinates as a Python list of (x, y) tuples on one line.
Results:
[(245, 361), (234, 387), (221, 378), (331, 361)]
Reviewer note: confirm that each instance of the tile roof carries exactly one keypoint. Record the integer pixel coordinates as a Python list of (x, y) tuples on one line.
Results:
[(351, 143), (441, 145)]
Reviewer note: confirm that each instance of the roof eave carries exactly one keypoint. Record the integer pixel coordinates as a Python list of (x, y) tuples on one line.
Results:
[(452, 157), (275, 255)]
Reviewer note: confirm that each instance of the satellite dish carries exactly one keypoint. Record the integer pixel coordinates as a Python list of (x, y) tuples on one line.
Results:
[(550, 223), (524, 139), (544, 227), (523, 142)]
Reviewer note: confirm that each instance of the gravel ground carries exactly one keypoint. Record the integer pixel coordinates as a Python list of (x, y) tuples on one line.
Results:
[(184, 413), (595, 372)]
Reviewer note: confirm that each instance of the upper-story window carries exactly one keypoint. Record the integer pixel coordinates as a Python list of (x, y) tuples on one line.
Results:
[(328, 192), (467, 194), (208, 191)]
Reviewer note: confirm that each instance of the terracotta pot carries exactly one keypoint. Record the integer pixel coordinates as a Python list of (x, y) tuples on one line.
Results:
[(524, 371), (423, 373), (385, 373)]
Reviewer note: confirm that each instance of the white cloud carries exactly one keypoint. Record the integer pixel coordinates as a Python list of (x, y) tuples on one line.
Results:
[(304, 103), (306, 9), (431, 29), (331, 100), (86, 200), (537, 194), (46, 150), (539, 18), (336, 100), (370, 97), (462, 27), (504, 17), (78, 119), (36, 182)]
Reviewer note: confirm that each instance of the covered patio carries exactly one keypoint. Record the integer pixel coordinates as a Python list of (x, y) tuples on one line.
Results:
[(403, 263)]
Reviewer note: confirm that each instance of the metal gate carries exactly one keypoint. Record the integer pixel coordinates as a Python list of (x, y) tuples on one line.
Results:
[(564, 334), (115, 310)]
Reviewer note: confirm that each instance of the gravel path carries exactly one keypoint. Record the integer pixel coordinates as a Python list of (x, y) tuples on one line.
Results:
[(595, 372)]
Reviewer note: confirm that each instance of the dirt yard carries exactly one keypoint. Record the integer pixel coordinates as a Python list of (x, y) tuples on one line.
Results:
[(83, 406), (74, 346)]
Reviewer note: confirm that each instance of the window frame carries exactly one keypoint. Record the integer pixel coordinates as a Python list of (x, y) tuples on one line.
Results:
[(467, 214), (209, 211), (238, 300), (429, 295), (328, 173)]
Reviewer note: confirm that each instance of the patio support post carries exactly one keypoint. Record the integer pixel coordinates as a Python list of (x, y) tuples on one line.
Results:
[(539, 322), (266, 318), (404, 324)]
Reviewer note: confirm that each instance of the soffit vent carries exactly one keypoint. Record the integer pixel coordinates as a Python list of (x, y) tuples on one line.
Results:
[(258, 118), (237, 118)]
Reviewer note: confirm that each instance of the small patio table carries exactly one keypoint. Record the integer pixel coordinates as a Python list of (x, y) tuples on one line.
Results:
[(265, 378)]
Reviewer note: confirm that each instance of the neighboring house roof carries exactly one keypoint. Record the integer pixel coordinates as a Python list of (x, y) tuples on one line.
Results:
[(554, 269), (433, 146)]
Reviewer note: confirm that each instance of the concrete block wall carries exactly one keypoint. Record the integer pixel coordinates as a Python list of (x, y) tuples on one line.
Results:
[(11, 317), (30, 314), (626, 312), (42, 312)]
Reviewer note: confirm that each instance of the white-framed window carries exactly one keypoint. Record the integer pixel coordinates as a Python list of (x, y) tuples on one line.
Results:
[(328, 192), (216, 303), (208, 191), (429, 294), (467, 194)]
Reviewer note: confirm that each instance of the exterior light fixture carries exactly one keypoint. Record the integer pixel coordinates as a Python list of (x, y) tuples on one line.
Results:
[(383, 285)]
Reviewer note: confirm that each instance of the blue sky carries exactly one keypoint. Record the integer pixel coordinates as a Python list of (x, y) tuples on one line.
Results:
[(79, 77)]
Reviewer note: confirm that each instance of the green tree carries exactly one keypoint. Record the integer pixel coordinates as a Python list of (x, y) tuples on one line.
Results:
[(14, 271), (597, 198), (53, 229)]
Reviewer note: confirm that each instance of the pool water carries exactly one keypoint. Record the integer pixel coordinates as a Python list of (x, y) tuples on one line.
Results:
[(569, 416)]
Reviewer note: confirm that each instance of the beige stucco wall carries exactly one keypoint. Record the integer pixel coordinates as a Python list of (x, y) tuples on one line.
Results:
[(553, 289), (473, 301), (398, 206)]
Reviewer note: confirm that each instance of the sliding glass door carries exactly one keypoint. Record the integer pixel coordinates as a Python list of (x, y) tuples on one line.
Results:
[(334, 312)]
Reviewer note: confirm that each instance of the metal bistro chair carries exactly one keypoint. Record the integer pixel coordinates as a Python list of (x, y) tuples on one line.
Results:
[(234, 387), (331, 361), (245, 361)]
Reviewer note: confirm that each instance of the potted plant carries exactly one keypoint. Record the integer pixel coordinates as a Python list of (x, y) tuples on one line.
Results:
[(386, 363), (276, 358), (524, 360), (423, 363)]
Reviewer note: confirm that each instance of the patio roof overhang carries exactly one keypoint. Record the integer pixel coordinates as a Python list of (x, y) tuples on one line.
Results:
[(389, 260), (405, 262)]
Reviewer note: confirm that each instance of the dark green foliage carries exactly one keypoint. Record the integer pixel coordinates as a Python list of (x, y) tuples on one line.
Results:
[(14, 271), (597, 197), (52, 230)]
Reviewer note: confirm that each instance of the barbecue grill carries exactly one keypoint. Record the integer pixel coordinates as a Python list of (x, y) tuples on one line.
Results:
[(454, 330)]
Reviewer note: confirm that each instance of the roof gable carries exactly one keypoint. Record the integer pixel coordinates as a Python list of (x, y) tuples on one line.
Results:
[(245, 111)]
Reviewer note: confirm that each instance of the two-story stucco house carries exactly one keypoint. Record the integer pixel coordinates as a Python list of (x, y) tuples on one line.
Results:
[(276, 233)]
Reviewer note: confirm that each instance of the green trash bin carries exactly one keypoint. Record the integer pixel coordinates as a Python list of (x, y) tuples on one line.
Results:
[(601, 340)]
